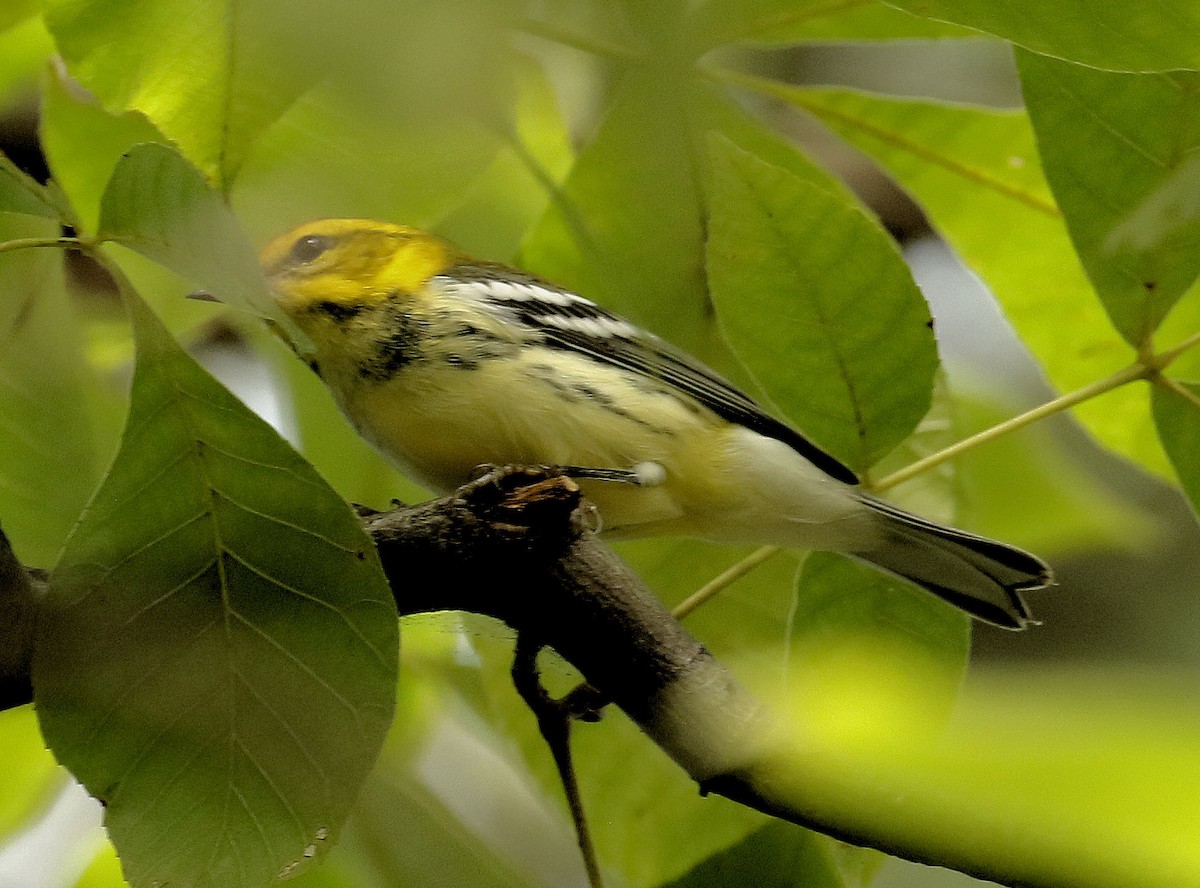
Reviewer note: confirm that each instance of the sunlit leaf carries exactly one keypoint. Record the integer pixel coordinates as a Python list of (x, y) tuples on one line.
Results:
[(103, 872), (210, 74), (217, 656), (83, 143), (1155, 35), (17, 10), (1107, 141), (794, 21), (975, 173), (818, 303), (841, 602), (158, 205), (30, 773), (1046, 778), (24, 47)]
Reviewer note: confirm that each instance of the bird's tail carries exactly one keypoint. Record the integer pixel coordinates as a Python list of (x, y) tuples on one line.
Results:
[(983, 577)]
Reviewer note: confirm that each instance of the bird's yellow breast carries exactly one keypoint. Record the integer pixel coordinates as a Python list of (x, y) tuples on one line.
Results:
[(439, 421)]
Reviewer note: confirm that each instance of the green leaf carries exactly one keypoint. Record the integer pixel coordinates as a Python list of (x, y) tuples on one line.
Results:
[(160, 206), (633, 241), (819, 305), (404, 835), (210, 74), (217, 655), (1060, 505), (1176, 407), (712, 110), (1168, 211), (1081, 778), (794, 21), (410, 168), (83, 143), (840, 605), (517, 187), (20, 193), (778, 855), (1155, 35), (975, 173), (1107, 141), (48, 453), (18, 10)]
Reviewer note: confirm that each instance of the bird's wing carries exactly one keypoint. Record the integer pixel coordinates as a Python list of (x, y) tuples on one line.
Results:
[(565, 320)]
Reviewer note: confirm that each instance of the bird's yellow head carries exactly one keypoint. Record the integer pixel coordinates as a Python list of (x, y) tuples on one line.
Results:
[(349, 262), (336, 279)]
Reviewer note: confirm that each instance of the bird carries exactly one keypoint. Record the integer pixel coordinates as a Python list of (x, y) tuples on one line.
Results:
[(446, 363)]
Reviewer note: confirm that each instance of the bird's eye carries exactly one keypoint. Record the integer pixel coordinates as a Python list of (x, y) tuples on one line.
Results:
[(309, 248)]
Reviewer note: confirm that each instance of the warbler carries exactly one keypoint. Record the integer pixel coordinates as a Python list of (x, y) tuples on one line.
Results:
[(446, 363)]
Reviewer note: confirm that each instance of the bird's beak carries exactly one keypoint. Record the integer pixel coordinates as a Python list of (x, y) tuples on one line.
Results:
[(202, 296)]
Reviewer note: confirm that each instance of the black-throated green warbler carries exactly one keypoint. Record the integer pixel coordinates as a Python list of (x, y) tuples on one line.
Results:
[(446, 363)]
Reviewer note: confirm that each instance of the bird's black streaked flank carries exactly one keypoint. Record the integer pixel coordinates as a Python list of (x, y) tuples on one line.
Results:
[(446, 363)]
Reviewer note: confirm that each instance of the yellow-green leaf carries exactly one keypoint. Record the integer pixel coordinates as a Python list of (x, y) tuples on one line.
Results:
[(210, 74), (1152, 35)]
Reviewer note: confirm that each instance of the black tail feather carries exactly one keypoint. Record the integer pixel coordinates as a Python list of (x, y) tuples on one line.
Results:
[(981, 576)]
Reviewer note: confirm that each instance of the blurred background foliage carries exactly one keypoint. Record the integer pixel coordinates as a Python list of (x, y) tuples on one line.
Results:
[(1038, 179)]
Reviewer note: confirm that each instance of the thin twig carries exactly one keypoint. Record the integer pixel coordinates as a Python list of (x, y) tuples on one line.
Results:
[(33, 243), (554, 720), (1056, 405), (722, 581)]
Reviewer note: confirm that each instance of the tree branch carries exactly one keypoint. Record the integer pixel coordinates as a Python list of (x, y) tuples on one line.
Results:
[(520, 549), (522, 554)]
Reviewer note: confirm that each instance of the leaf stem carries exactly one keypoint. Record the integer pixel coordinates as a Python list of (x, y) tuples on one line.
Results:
[(1163, 358), (1146, 367), (31, 243), (723, 580), (1063, 402), (1185, 393)]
